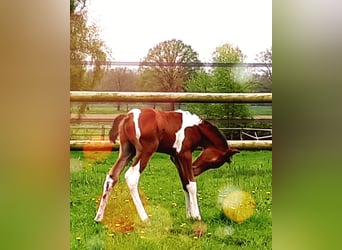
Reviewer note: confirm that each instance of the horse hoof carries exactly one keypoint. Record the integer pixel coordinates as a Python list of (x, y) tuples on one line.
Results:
[(97, 219)]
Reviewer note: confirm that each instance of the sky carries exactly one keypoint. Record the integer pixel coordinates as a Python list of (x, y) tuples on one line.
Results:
[(131, 27)]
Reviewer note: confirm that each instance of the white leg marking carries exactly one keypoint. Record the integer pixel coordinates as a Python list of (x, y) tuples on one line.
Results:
[(107, 188), (132, 179), (187, 203), (188, 120), (136, 114), (194, 210)]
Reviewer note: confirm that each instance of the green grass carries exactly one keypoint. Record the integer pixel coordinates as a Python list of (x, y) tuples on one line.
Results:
[(260, 109), (98, 108), (169, 228)]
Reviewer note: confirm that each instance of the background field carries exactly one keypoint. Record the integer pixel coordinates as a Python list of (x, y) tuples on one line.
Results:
[(107, 108), (163, 196)]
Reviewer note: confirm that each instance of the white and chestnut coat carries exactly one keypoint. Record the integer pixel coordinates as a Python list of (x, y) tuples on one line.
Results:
[(177, 133)]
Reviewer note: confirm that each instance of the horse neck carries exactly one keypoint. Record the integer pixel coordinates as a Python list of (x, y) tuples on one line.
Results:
[(212, 135)]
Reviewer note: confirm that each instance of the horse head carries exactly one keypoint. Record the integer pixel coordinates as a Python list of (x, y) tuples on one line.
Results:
[(212, 157)]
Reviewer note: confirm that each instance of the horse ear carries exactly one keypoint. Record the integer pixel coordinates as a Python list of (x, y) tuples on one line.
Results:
[(233, 151), (230, 153)]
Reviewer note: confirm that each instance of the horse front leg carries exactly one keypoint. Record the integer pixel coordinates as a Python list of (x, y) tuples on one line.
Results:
[(186, 174), (191, 200)]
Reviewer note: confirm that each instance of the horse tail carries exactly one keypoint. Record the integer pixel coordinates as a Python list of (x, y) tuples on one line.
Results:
[(114, 131)]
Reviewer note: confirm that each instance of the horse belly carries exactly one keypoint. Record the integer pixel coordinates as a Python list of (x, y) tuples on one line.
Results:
[(166, 145)]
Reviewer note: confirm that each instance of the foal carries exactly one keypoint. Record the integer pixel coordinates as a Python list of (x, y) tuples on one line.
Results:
[(177, 133)]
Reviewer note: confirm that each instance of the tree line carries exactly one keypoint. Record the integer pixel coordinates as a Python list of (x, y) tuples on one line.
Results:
[(85, 44)]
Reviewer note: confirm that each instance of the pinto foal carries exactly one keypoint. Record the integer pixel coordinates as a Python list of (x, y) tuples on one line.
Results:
[(177, 133)]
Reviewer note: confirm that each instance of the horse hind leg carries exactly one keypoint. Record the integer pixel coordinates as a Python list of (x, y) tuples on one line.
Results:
[(112, 178), (107, 188), (132, 177)]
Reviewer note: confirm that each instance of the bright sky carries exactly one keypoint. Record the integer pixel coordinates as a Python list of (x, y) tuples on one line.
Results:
[(131, 27)]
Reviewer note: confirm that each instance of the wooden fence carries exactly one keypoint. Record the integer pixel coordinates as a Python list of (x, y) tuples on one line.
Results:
[(170, 97), (176, 97), (100, 145)]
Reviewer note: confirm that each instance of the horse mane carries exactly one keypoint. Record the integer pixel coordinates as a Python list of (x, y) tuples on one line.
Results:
[(213, 134)]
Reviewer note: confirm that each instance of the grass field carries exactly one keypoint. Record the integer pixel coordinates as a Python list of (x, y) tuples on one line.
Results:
[(163, 198), (260, 110)]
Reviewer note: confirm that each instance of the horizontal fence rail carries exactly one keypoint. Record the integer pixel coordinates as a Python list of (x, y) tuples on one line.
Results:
[(165, 97), (100, 145)]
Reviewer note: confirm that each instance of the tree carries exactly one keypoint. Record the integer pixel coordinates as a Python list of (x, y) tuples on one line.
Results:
[(262, 78), (85, 44), (118, 79), (168, 78), (221, 80), (202, 82), (77, 5), (266, 57), (146, 81)]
